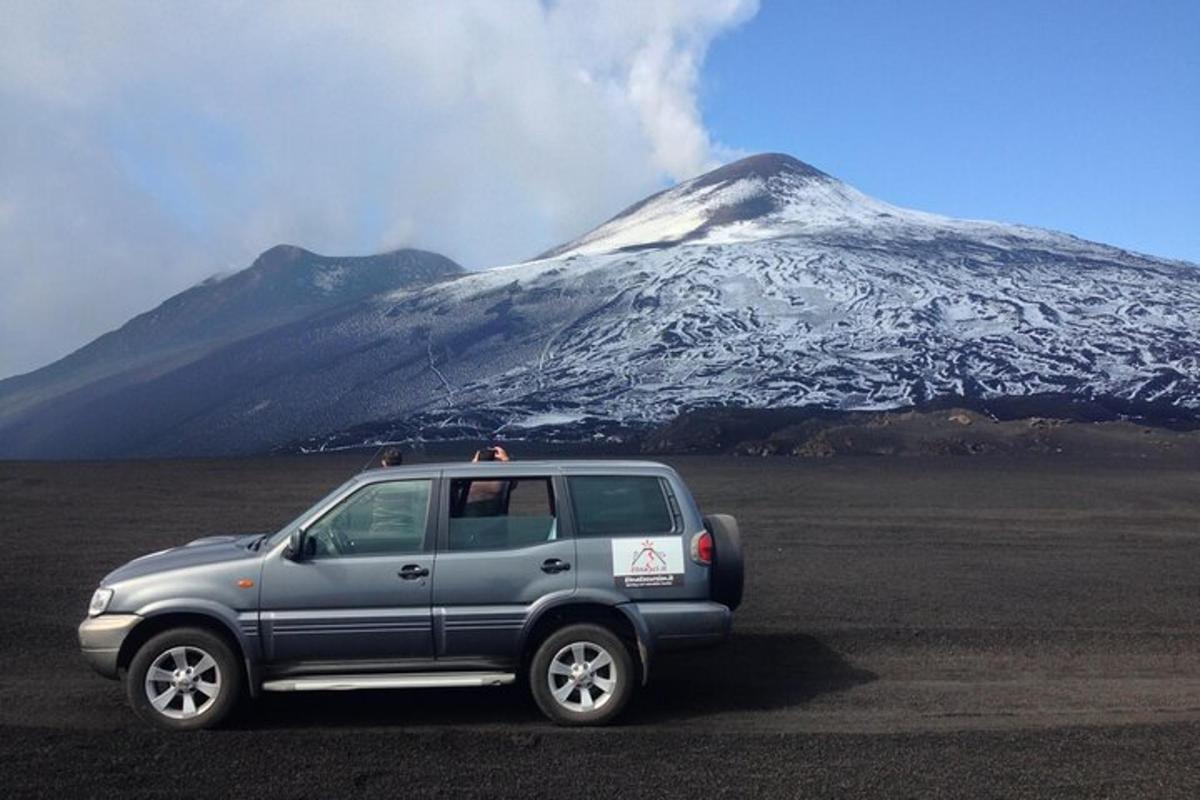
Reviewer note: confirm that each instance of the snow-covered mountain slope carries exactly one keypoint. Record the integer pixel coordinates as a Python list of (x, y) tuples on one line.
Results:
[(764, 197), (769, 283), (764, 283)]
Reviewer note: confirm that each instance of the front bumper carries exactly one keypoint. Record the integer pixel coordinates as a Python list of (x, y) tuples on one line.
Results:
[(100, 639)]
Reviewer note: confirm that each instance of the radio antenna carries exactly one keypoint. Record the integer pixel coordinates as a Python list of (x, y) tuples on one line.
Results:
[(374, 459)]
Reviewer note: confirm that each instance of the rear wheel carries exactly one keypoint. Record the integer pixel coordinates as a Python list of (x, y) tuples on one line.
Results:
[(184, 679), (581, 675)]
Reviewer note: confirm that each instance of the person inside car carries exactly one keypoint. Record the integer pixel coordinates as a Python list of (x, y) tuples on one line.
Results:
[(487, 498), (393, 511)]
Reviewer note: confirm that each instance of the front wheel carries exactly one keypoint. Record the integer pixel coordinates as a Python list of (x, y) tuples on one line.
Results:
[(581, 675), (184, 679)]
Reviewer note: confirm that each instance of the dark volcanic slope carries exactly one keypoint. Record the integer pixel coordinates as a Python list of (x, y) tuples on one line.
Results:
[(913, 628), (100, 398)]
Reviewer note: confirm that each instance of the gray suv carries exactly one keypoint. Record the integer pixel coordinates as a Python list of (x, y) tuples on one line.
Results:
[(569, 575)]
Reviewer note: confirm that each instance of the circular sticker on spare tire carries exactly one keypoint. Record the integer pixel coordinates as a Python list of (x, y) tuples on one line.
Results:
[(647, 562)]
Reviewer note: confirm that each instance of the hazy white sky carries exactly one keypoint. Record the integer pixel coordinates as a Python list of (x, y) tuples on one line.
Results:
[(147, 145)]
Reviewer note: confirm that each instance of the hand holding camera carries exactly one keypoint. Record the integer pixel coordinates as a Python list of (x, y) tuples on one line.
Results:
[(496, 453)]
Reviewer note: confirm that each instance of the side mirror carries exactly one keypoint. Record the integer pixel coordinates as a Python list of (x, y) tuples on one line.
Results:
[(295, 546)]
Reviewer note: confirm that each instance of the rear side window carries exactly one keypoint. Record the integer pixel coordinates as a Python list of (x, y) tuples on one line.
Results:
[(501, 514), (620, 505)]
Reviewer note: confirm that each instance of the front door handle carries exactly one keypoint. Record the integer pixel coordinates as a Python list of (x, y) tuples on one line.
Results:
[(413, 571), (553, 565)]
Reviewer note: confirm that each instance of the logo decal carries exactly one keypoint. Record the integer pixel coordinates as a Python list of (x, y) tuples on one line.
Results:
[(647, 562)]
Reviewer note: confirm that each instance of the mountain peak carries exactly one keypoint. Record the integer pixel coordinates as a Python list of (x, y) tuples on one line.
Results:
[(281, 254), (754, 197), (763, 166)]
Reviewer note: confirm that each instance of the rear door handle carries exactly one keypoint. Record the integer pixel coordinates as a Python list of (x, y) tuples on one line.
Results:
[(553, 565), (413, 571)]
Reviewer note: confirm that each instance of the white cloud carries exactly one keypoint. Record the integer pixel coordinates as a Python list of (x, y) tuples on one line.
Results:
[(150, 144)]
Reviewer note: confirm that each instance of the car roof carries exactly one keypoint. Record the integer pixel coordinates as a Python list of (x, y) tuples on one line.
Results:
[(470, 469)]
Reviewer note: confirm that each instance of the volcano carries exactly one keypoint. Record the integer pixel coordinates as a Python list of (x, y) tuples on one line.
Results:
[(762, 284)]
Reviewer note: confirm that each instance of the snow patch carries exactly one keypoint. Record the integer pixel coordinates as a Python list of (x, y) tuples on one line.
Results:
[(547, 419), (329, 279)]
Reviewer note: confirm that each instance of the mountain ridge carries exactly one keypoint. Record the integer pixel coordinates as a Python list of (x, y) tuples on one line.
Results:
[(285, 283), (765, 283)]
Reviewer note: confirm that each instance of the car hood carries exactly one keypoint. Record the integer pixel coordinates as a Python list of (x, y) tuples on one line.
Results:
[(206, 550)]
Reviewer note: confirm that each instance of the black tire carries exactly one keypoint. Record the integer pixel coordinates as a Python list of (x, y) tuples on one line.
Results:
[(620, 670), (727, 574), (226, 674)]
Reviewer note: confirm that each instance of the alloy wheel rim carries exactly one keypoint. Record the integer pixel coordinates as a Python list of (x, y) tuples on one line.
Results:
[(582, 677), (183, 682)]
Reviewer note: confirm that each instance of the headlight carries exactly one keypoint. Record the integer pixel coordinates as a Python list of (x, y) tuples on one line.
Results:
[(100, 600)]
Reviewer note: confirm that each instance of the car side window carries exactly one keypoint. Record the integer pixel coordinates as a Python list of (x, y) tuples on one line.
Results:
[(620, 505), (379, 519), (489, 514)]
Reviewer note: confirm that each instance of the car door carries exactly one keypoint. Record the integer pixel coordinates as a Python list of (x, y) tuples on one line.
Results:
[(362, 591), (500, 550)]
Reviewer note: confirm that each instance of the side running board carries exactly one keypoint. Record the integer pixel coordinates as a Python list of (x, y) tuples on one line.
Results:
[(398, 680)]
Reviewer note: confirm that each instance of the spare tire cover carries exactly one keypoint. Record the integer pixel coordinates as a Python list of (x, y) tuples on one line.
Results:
[(726, 573)]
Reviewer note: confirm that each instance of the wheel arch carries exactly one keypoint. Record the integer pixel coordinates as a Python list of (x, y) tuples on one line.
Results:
[(627, 626), (159, 618)]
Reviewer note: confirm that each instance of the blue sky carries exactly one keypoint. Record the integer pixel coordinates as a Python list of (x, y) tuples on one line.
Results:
[(1078, 116)]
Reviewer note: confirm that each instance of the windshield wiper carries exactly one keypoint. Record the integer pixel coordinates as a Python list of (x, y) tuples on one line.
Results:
[(257, 543)]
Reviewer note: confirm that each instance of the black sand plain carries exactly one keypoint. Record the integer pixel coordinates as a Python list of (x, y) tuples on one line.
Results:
[(913, 627)]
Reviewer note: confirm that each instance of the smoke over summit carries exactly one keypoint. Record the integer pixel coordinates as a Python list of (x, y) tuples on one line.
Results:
[(150, 145)]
